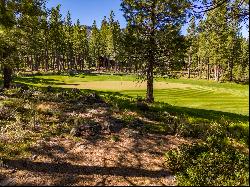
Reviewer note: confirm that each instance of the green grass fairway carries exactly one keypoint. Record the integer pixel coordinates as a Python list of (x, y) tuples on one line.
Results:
[(202, 94)]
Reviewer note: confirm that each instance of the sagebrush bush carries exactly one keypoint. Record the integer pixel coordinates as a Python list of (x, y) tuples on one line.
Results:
[(213, 163)]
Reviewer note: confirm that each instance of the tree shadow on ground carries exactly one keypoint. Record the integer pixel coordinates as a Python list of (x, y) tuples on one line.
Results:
[(67, 168), (109, 161), (130, 159), (172, 118), (36, 80), (127, 102), (124, 101)]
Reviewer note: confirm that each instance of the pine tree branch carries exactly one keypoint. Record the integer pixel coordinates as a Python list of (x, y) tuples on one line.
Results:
[(210, 7)]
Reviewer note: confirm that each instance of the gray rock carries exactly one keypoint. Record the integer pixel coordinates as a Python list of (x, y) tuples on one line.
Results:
[(91, 129), (34, 157), (114, 125), (75, 132), (132, 133), (7, 182), (13, 171)]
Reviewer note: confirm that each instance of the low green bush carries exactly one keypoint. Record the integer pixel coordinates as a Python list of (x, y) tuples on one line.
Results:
[(213, 163)]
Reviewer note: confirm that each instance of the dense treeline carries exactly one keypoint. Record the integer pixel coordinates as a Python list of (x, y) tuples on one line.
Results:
[(217, 48), (34, 38)]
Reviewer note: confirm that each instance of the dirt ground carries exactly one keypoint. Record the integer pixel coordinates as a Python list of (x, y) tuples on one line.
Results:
[(128, 157), (134, 159)]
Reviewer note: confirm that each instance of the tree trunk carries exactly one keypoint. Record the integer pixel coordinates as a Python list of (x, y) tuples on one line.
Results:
[(7, 76), (208, 70), (36, 62), (216, 73), (67, 61), (151, 58), (199, 67), (32, 63), (75, 63), (58, 62), (150, 80), (189, 64), (82, 62), (231, 70), (53, 61)]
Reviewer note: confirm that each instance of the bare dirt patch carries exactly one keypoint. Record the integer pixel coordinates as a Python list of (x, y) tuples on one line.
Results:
[(133, 160), (47, 106)]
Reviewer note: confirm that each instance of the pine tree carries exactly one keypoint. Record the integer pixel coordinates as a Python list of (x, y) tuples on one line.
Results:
[(94, 45), (219, 42), (103, 37), (113, 39), (68, 30), (192, 51), (147, 18), (21, 33), (84, 49), (7, 41)]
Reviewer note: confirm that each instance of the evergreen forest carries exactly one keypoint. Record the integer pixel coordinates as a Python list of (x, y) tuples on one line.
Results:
[(142, 104)]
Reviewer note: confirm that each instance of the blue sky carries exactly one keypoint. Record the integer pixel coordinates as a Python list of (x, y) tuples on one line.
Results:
[(89, 10)]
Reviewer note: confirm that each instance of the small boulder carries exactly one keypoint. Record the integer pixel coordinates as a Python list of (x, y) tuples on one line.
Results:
[(131, 133), (75, 132), (13, 171), (113, 126), (34, 157), (90, 129)]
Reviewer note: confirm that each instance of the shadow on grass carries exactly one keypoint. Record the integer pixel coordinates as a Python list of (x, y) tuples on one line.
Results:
[(124, 101), (127, 102), (35, 80), (73, 74), (169, 118), (207, 114), (174, 119)]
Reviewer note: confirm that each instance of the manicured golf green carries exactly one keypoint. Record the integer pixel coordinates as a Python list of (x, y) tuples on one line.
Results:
[(202, 94)]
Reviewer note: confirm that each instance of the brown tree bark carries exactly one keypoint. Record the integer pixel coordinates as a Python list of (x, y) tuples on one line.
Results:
[(208, 70), (231, 70), (150, 83), (217, 73), (7, 76), (189, 64), (151, 58)]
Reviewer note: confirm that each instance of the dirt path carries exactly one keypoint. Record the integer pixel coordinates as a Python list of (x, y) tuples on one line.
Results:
[(133, 160)]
